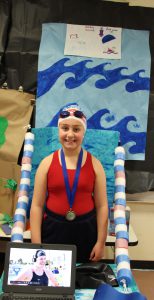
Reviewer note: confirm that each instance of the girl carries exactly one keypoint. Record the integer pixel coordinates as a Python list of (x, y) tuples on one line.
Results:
[(76, 207)]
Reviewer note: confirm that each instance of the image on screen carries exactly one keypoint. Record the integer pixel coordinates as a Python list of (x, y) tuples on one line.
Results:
[(39, 267)]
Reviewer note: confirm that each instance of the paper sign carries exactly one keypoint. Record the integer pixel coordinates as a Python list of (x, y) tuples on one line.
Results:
[(93, 41)]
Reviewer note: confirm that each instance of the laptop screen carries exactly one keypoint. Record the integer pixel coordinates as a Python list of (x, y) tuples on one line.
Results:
[(42, 268)]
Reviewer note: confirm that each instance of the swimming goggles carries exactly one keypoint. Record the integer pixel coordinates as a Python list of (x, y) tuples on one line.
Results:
[(77, 113)]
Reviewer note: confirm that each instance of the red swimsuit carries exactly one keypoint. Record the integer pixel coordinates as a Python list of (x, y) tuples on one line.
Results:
[(57, 198)]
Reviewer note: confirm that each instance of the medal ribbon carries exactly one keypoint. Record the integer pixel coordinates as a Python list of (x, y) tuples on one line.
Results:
[(71, 194)]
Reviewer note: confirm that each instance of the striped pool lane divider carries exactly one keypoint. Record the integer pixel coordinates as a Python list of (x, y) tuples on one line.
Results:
[(124, 274), (23, 199)]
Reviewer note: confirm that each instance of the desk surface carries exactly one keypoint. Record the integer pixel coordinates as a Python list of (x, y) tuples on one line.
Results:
[(133, 241)]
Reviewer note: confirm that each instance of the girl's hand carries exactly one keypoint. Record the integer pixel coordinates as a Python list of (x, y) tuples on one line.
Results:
[(97, 252)]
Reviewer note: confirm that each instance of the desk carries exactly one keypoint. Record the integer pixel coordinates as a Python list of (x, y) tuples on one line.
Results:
[(88, 294), (133, 241)]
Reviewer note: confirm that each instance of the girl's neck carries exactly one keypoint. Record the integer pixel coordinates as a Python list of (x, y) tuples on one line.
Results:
[(39, 268), (71, 158), (71, 153)]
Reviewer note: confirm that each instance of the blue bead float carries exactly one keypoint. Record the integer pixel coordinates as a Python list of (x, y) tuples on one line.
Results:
[(124, 275), (22, 203)]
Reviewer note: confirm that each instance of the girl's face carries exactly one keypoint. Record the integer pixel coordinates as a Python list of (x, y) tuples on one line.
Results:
[(71, 133), (41, 260)]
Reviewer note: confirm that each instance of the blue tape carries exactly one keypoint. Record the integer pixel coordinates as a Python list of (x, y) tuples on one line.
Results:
[(120, 155), (17, 236), (29, 141), (119, 220), (121, 258), (28, 153), (120, 201), (118, 168), (22, 205), (119, 188), (19, 217), (124, 274), (24, 187), (122, 235), (25, 174)]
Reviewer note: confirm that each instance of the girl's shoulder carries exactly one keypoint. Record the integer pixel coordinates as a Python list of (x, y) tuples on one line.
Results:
[(93, 158), (47, 159), (45, 163), (97, 165)]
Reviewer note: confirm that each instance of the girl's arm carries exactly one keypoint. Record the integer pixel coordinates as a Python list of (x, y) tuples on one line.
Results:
[(51, 278), (39, 197), (101, 205), (24, 276)]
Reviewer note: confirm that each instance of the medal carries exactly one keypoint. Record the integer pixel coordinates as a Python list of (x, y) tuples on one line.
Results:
[(70, 215)]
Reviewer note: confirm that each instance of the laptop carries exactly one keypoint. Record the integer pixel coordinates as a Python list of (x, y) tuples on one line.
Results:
[(39, 271)]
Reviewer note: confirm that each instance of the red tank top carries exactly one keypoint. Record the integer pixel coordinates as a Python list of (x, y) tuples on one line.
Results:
[(57, 198)]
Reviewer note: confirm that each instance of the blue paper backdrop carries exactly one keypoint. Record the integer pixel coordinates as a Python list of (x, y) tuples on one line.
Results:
[(100, 143), (114, 94)]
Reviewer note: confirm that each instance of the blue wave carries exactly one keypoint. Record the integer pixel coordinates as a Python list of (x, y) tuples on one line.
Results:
[(48, 77), (126, 136)]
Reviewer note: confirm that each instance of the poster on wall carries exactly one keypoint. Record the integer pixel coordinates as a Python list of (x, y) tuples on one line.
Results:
[(113, 93)]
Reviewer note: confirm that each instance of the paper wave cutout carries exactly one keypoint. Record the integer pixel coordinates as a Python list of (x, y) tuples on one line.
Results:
[(138, 139), (81, 73), (126, 135)]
